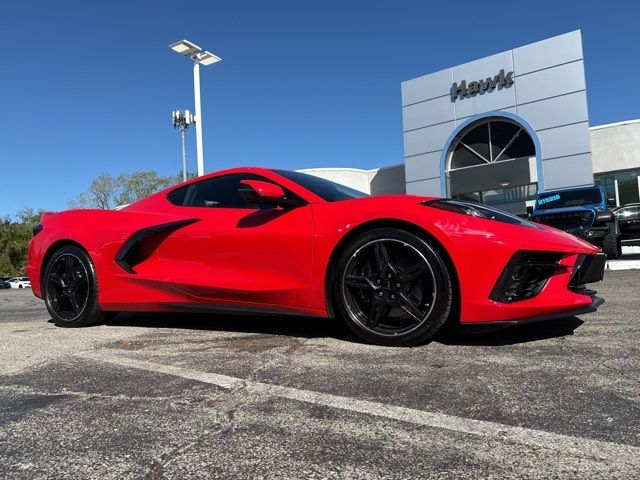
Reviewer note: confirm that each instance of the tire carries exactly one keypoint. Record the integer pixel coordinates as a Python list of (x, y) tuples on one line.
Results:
[(70, 288), (611, 244), (19, 286), (392, 288)]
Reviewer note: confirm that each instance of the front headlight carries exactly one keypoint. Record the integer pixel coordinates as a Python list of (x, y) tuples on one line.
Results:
[(478, 210)]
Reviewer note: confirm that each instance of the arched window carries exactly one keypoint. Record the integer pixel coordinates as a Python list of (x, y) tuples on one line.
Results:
[(488, 141)]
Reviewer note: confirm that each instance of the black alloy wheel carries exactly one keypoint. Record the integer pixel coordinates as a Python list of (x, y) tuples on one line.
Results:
[(393, 288), (70, 288)]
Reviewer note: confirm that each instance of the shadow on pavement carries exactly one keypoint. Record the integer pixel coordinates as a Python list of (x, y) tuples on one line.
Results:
[(294, 326), (510, 335), (307, 327)]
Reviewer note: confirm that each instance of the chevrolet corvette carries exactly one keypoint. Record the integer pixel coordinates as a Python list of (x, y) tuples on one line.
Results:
[(396, 268)]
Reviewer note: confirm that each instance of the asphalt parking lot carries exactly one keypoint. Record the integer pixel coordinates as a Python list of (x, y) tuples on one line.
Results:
[(190, 396)]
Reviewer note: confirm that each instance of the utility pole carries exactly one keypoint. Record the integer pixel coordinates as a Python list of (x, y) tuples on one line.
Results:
[(181, 120)]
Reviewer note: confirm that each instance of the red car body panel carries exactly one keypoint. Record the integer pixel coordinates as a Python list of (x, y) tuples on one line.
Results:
[(279, 259)]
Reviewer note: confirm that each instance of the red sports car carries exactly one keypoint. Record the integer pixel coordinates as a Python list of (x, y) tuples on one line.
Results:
[(396, 268)]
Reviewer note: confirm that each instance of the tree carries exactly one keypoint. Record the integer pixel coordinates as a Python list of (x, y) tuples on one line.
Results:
[(30, 217), (101, 194), (14, 237), (138, 185), (107, 192)]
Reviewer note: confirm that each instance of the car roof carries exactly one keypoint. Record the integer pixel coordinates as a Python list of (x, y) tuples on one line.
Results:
[(569, 189), (268, 173)]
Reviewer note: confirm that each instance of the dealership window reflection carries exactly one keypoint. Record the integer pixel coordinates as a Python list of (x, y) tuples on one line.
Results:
[(623, 186), (501, 195), (491, 141), (493, 161)]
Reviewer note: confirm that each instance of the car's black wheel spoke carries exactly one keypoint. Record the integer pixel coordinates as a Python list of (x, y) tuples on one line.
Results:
[(55, 302), (62, 303), (69, 267), (79, 279), (412, 272), (359, 281), (381, 259), (56, 280), (408, 306), (75, 305), (379, 310)]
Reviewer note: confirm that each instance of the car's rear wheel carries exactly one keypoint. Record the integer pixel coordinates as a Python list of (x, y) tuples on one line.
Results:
[(71, 289), (392, 288)]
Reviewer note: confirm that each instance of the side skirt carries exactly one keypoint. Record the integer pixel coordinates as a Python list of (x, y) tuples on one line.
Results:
[(240, 310)]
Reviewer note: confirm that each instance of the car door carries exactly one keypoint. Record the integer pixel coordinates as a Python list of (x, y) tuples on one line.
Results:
[(236, 252)]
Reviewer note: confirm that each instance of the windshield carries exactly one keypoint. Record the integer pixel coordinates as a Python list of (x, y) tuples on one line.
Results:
[(570, 198), (325, 189)]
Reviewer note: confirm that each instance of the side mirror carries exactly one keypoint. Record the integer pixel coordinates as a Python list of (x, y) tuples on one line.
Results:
[(257, 191), (264, 190), (602, 217), (529, 210)]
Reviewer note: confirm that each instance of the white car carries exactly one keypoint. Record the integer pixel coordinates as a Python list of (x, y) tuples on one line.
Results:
[(19, 282)]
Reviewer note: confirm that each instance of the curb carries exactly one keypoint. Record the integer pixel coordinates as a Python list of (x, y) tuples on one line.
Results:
[(630, 263), (622, 265)]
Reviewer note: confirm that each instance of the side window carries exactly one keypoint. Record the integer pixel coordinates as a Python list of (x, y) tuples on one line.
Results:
[(218, 192), (178, 195)]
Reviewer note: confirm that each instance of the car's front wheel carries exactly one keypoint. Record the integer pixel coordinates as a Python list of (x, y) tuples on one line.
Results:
[(392, 288), (70, 288), (611, 244)]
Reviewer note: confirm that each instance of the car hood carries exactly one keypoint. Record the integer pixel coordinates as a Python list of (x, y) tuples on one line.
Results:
[(414, 209)]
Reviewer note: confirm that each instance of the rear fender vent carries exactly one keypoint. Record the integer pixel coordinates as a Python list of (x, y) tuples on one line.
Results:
[(144, 242)]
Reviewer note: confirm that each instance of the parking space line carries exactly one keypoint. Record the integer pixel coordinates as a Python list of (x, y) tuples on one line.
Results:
[(578, 446)]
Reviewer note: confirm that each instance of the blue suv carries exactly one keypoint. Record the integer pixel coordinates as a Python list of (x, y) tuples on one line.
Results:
[(581, 211)]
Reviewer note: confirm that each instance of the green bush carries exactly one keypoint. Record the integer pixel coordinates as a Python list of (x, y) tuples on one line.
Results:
[(14, 237)]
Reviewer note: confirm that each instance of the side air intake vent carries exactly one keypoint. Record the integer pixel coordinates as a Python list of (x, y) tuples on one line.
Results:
[(525, 276)]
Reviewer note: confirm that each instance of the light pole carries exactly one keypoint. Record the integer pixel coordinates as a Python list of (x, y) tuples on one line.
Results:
[(199, 57), (181, 120)]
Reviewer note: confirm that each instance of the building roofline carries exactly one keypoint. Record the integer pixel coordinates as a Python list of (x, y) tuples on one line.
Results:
[(577, 30), (350, 169), (337, 169), (616, 124)]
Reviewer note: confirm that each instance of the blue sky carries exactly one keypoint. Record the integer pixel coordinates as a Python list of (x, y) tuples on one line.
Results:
[(88, 87)]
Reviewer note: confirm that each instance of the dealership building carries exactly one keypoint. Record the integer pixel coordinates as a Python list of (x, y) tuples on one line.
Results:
[(500, 129)]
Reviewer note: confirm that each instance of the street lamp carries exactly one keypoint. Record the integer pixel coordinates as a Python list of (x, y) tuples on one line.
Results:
[(181, 120), (199, 57)]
